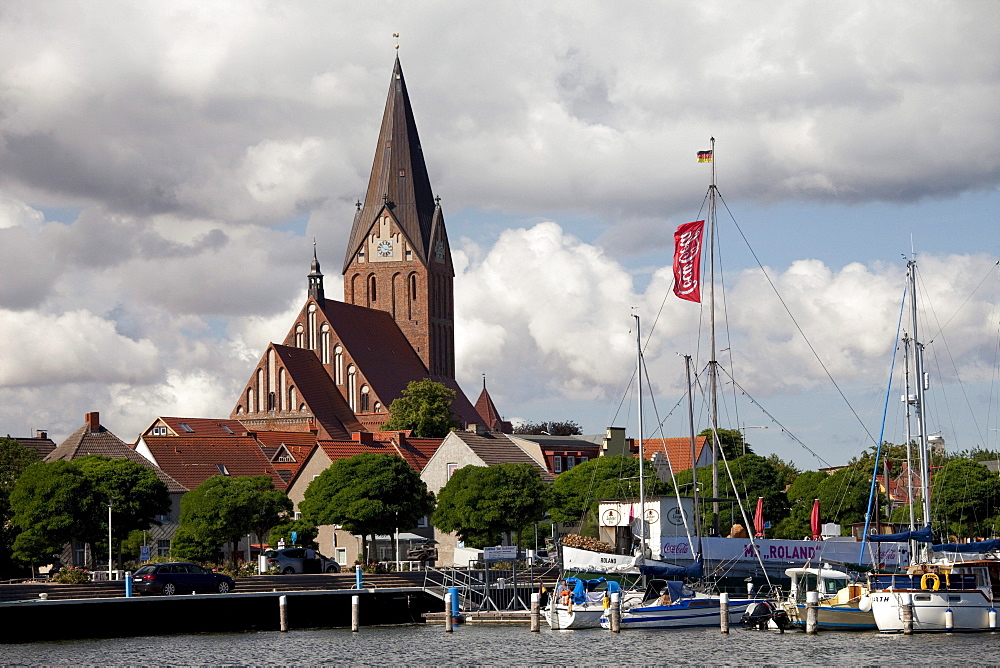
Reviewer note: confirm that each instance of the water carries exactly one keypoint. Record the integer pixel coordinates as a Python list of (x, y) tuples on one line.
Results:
[(498, 645)]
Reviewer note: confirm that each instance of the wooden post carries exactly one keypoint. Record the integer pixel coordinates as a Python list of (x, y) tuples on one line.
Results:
[(812, 612), (448, 619), (615, 613), (724, 612), (535, 611), (283, 613), (907, 615), (355, 613)]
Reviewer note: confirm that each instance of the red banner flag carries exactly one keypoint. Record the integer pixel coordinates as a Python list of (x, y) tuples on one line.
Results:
[(687, 260)]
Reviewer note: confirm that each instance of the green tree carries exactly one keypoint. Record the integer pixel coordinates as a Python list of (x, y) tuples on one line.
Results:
[(424, 408), (14, 459), (576, 493), (568, 428), (481, 503), (305, 533), (802, 492), (368, 494), (224, 509), (136, 496), (966, 495), (52, 504), (786, 470)]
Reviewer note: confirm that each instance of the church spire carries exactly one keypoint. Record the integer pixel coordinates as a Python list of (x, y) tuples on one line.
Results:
[(316, 280), (398, 180)]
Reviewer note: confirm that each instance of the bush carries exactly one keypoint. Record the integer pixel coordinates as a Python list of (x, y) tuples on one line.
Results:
[(71, 575)]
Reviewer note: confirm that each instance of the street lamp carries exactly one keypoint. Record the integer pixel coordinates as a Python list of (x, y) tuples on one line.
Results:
[(109, 542)]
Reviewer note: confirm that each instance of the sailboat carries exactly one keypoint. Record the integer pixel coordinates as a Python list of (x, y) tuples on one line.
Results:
[(956, 591)]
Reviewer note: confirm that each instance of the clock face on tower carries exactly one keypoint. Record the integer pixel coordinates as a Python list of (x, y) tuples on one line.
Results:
[(384, 248)]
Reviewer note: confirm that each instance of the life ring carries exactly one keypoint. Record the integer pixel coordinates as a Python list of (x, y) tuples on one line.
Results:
[(934, 580)]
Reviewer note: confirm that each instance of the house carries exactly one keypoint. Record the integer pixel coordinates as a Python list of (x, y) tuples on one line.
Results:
[(343, 546), (95, 439), (475, 447), (559, 453), (40, 443), (674, 454)]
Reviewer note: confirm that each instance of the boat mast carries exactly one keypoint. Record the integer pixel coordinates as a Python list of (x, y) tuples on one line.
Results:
[(642, 458), (712, 362), (918, 405), (694, 455), (909, 437)]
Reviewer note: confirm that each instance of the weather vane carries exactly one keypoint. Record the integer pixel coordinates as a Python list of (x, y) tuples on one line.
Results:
[(396, 35)]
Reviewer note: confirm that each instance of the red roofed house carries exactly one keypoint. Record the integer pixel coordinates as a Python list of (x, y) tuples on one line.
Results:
[(339, 544), (343, 363), (95, 439), (678, 451)]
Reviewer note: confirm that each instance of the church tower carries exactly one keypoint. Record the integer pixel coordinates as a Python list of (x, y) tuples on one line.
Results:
[(398, 259)]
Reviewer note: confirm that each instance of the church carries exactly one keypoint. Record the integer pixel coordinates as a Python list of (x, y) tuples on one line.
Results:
[(342, 363)]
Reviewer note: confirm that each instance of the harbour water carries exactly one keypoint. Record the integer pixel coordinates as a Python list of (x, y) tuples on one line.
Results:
[(515, 645)]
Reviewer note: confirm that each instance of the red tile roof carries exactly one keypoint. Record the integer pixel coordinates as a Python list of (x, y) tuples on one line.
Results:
[(678, 449), (317, 391), (490, 415), (191, 460), (202, 426), (86, 441)]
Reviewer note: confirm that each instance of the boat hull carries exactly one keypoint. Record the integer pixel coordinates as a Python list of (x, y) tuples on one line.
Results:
[(560, 618), (680, 615), (833, 617), (970, 610)]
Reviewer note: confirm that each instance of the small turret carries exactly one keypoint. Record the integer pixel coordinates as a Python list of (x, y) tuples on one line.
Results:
[(316, 280)]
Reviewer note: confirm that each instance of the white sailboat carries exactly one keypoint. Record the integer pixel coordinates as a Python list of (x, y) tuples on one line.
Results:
[(956, 591)]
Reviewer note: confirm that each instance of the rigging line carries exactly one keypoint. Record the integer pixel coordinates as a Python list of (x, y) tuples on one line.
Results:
[(954, 366), (775, 420), (795, 322), (666, 452), (881, 436), (993, 268)]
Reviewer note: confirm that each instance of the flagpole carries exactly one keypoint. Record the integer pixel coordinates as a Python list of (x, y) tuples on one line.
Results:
[(712, 362)]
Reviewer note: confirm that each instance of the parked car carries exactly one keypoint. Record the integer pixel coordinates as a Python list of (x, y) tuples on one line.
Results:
[(293, 560), (178, 577)]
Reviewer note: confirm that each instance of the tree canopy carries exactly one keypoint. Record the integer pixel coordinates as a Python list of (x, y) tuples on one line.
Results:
[(424, 408), (567, 428), (966, 495), (223, 509), (368, 494), (577, 492), (14, 460), (481, 503), (730, 442)]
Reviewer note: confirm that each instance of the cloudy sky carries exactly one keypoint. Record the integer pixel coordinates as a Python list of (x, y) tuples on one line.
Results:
[(164, 168)]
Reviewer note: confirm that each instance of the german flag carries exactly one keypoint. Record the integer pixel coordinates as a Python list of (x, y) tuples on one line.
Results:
[(704, 156)]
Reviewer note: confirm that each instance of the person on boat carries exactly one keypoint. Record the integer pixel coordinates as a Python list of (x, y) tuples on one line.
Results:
[(543, 597), (664, 597)]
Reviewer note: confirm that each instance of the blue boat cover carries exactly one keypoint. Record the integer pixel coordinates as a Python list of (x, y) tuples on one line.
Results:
[(695, 570), (979, 547), (581, 587), (920, 535)]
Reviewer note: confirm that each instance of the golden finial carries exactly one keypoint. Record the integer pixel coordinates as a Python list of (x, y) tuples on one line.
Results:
[(396, 35)]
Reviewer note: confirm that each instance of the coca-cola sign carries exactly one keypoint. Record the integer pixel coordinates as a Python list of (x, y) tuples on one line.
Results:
[(687, 260)]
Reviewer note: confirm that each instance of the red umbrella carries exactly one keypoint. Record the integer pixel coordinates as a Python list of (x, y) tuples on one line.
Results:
[(814, 521), (758, 518)]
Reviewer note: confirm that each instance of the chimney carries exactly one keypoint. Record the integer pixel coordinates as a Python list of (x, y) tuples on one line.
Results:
[(363, 437), (93, 421), (41, 434)]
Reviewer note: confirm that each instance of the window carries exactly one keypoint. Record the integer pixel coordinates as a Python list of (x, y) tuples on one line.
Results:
[(451, 470), (372, 289), (378, 407), (364, 399), (570, 462), (584, 459), (285, 456), (158, 431), (352, 388), (312, 327), (340, 555), (298, 516), (222, 469), (557, 464), (163, 548), (338, 364), (228, 430), (300, 336), (325, 344), (186, 427), (423, 522)]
